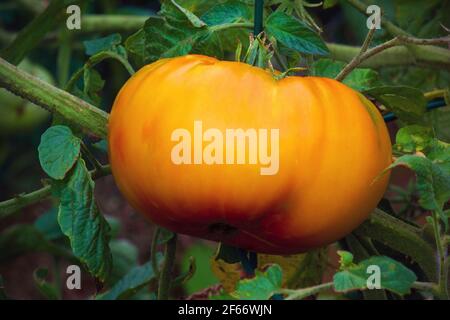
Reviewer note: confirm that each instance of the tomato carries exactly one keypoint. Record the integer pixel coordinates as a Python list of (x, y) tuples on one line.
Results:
[(169, 154), (17, 115)]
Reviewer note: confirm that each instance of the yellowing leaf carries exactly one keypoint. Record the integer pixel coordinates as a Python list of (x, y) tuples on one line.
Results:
[(228, 273)]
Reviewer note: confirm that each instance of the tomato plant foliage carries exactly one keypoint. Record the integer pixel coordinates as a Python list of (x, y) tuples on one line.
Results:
[(408, 80)]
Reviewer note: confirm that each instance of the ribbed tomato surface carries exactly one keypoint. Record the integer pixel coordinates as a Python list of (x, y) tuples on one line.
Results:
[(332, 144)]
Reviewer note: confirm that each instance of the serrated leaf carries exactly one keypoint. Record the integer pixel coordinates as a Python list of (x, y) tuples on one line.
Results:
[(203, 276), (229, 12), (199, 7), (136, 279), (227, 273), (58, 151), (407, 103), (262, 286), (413, 138), (93, 85), (359, 79), (95, 46), (193, 19), (294, 34), (345, 259), (433, 183), (47, 290), (299, 270), (394, 276), (82, 222), (48, 225)]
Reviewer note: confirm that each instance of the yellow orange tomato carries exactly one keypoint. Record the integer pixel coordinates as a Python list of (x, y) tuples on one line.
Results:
[(332, 144)]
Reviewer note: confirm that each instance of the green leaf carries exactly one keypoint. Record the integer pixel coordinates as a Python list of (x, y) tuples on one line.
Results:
[(294, 34), (136, 279), (329, 3), (358, 79), (81, 221), (433, 183), (93, 85), (394, 276), (229, 12), (345, 259), (125, 257), (47, 290), (193, 19), (203, 277), (413, 138), (48, 225), (262, 286), (102, 145), (407, 103), (58, 151), (95, 46), (20, 239)]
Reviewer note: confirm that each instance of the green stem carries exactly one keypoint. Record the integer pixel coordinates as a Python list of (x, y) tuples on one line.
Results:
[(35, 31), (90, 157), (64, 55), (397, 41), (401, 237), (258, 25), (10, 206), (393, 57), (93, 61), (77, 112), (280, 60), (442, 255), (306, 292), (106, 23), (438, 53), (153, 252), (166, 270)]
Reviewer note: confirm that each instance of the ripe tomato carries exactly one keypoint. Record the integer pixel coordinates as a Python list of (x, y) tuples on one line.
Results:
[(332, 144)]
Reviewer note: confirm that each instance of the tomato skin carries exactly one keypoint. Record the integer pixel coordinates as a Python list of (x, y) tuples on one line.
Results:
[(333, 143)]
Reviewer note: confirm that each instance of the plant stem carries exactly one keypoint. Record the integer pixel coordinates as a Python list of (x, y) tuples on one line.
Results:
[(77, 112), (397, 41), (442, 54), (442, 258), (10, 206), (34, 32), (153, 252), (93, 61), (306, 292), (63, 60), (259, 9), (367, 41), (90, 157), (107, 23), (401, 237), (166, 271)]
